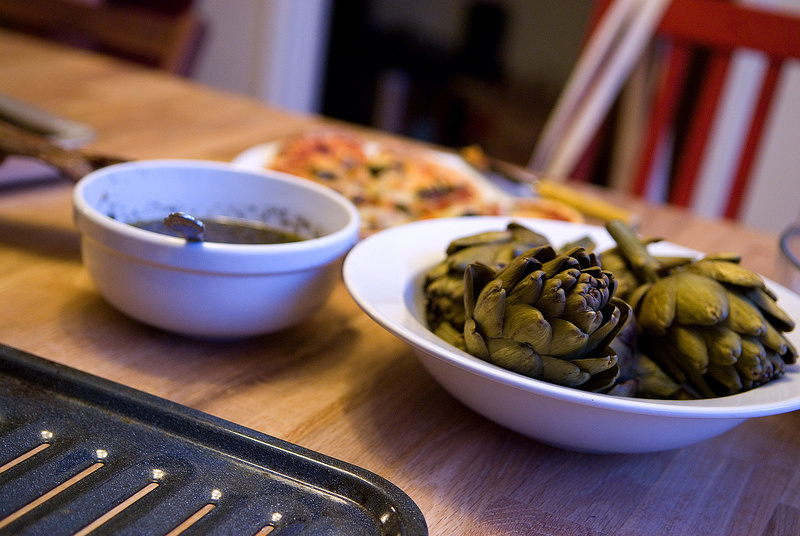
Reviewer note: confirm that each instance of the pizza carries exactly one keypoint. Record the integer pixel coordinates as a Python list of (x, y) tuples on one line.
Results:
[(393, 183)]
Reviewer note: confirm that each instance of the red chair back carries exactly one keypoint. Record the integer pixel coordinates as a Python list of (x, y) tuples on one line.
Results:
[(715, 29)]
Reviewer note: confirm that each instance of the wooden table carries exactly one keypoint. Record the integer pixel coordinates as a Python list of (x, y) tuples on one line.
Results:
[(338, 384)]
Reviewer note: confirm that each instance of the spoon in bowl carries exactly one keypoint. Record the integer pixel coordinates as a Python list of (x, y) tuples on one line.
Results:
[(186, 226)]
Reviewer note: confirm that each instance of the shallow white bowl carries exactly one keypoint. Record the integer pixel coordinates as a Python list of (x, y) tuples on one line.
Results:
[(209, 289), (384, 274)]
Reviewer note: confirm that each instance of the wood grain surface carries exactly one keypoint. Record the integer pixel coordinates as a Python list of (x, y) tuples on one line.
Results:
[(338, 383)]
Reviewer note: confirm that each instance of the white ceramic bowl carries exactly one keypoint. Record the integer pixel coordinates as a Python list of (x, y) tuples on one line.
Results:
[(384, 274), (206, 289)]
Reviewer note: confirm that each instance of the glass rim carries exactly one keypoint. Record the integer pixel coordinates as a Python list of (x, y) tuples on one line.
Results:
[(786, 235)]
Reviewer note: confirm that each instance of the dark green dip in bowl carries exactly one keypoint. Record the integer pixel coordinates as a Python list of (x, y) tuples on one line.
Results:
[(229, 231)]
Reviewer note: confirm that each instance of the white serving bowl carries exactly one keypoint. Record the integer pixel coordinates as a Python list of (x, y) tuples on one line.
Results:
[(205, 289), (384, 274)]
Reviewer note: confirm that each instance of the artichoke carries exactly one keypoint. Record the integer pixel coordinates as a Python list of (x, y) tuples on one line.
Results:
[(444, 284), (546, 315), (711, 324)]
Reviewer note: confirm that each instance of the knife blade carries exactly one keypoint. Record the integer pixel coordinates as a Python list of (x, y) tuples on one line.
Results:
[(64, 132), (513, 178)]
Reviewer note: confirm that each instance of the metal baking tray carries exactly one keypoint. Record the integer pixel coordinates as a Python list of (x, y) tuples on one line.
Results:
[(80, 454)]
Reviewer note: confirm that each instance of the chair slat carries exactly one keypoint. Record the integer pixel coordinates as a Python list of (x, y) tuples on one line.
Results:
[(664, 109), (750, 151), (721, 24), (701, 123)]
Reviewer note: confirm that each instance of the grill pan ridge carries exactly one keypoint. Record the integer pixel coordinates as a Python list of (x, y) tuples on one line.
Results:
[(80, 454)]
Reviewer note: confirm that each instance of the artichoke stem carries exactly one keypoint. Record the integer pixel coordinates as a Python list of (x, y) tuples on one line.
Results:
[(634, 251)]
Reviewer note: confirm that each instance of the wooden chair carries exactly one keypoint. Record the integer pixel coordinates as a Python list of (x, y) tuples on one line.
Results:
[(685, 101), (719, 28), (163, 39)]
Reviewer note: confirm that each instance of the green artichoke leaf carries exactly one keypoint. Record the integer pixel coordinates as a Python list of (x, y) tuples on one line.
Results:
[(727, 272), (773, 339), (595, 365), (727, 256), (518, 268), (699, 300), (790, 355), (751, 361), (615, 316), (446, 286), (440, 270), (512, 355), (778, 364), (445, 300), (664, 356), (636, 295), (562, 372), (553, 298), (769, 307), (488, 238), (485, 254), (743, 316), (476, 277), (474, 341), (450, 335), (653, 381), (656, 309), (604, 372), (585, 242), (524, 235), (559, 264), (490, 309), (690, 347), (726, 375), (568, 341), (724, 345), (626, 279), (768, 371), (527, 324), (577, 312), (585, 258), (528, 290)]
